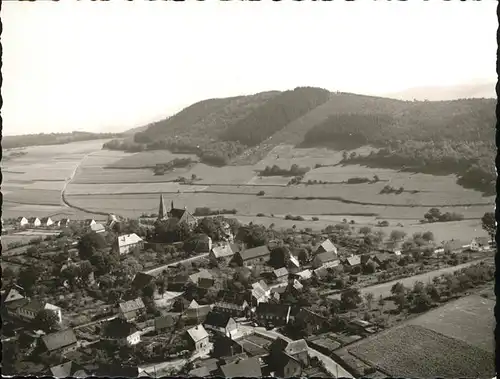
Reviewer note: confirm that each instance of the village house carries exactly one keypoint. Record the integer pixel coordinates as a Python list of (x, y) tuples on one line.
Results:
[(288, 358), (165, 323), (46, 221), (130, 310), (128, 243), (123, 331), (312, 322), (12, 299), (30, 309), (112, 221), (453, 246), (89, 222), (97, 228), (480, 244), (68, 369), (352, 261), (249, 367), (250, 257), (196, 313), (293, 263), (142, 280), (166, 299), (383, 259), (234, 304), (22, 221), (304, 275), (260, 293), (320, 273), (221, 251), (326, 247), (63, 223), (176, 214), (62, 341), (280, 274), (361, 327), (221, 323), (34, 222), (273, 314), (203, 278), (198, 339), (327, 259)]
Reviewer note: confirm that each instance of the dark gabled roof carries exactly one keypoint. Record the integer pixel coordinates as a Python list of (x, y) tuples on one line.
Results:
[(280, 272), (118, 328), (235, 247), (68, 369), (217, 319), (296, 347), (200, 372), (306, 313), (34, 306), (278, 310), (249, 367), (256, 252), (58, 340), (12, 293), (166, 321)]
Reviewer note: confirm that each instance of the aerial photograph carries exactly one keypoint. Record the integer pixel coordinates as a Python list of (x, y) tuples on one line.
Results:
[(248, 189)]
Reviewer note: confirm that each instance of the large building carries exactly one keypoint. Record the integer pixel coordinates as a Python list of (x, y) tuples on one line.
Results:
[(179, 214)]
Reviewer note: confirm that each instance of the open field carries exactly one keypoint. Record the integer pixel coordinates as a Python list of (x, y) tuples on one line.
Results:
[(470, 319), (147, 159), (413, 351)]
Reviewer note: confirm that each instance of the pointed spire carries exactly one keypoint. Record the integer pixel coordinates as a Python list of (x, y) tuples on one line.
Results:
[(162, 212), (172, 205)]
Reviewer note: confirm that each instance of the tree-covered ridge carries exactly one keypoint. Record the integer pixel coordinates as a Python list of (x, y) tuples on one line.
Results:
[(10, 142), (275, 114)]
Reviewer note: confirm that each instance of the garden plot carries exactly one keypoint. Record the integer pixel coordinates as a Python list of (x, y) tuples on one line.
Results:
[(413, 351)]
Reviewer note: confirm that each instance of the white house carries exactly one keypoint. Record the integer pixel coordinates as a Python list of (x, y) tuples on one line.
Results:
[(46, 221), (89, 222), (128, 242), (22, 221), (63, 223), (134, 338), (480, 244), (34, 222), (97, 228)]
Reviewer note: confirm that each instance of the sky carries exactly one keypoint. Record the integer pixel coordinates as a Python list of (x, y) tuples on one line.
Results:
[(111, 66)]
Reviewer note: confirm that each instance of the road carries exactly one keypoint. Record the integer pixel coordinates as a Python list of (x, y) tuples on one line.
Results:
[(68, 181), (331, 366), (384, 289), (157, 270)]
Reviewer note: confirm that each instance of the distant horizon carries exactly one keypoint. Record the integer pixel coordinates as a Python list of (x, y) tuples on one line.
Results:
[(126, 70), (386, 95)]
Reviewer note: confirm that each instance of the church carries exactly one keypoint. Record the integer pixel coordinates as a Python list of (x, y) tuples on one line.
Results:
[(178, 214)]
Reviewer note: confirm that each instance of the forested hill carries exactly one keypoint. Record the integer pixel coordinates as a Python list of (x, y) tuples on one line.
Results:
[(9, 142), (433, 136)]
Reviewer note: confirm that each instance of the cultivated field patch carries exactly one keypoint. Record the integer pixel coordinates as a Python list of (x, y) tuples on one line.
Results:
[(130, 188), (33, 196), (413, 351), (470, 319)]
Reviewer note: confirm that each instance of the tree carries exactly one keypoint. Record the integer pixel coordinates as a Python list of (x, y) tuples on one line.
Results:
[(45, 320), (27, 279), (488, 223), (365, 230), (428, 236), (433, 215), (397, 235), (350, 298), (401, 301), (421, 302), (369, 267), (89, 243), (369, 298), (398, 289), (104, 263), (253, 235), (278, 257), (302, 256)]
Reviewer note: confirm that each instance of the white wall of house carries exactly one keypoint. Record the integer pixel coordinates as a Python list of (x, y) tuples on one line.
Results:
[(37, 222)]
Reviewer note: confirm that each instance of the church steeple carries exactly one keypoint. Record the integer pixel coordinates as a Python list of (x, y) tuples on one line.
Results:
[(172, 205), (162, 211)]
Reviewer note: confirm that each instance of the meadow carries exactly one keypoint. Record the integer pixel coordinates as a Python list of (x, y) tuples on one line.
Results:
[(148, 159)]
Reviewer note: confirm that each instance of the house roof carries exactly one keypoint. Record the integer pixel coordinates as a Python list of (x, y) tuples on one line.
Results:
[(117, 328), (321, 272), (68, 369), (327, 245), (235, 248), (217, 319), (198, 312), (45, 219), (197, 333), (327, 256), (296, 347), (141, 280), (128, 239), (97, 227), (258, 292), (52, 307), (354, 260), (58, 340), (280, 272), (200, 372), (297, 285), (293, 260), (222, 251), (132, 305), (305, 313), (89, 221), (255, 252), (193, 304), (166, 321), (33, 219), (306, 274), (278, 310), (199, 275), (382, 257), (21, 218), (249, 367), (13, 293)]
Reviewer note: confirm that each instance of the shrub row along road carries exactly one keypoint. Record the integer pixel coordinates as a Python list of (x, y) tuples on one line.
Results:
[(384, 289)]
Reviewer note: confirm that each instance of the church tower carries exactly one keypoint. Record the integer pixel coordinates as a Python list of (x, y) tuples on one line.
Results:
[(162, 211)]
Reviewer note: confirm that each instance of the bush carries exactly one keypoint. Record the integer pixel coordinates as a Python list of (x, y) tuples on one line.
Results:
[(261, 193), (261, 215), (315, 218)]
